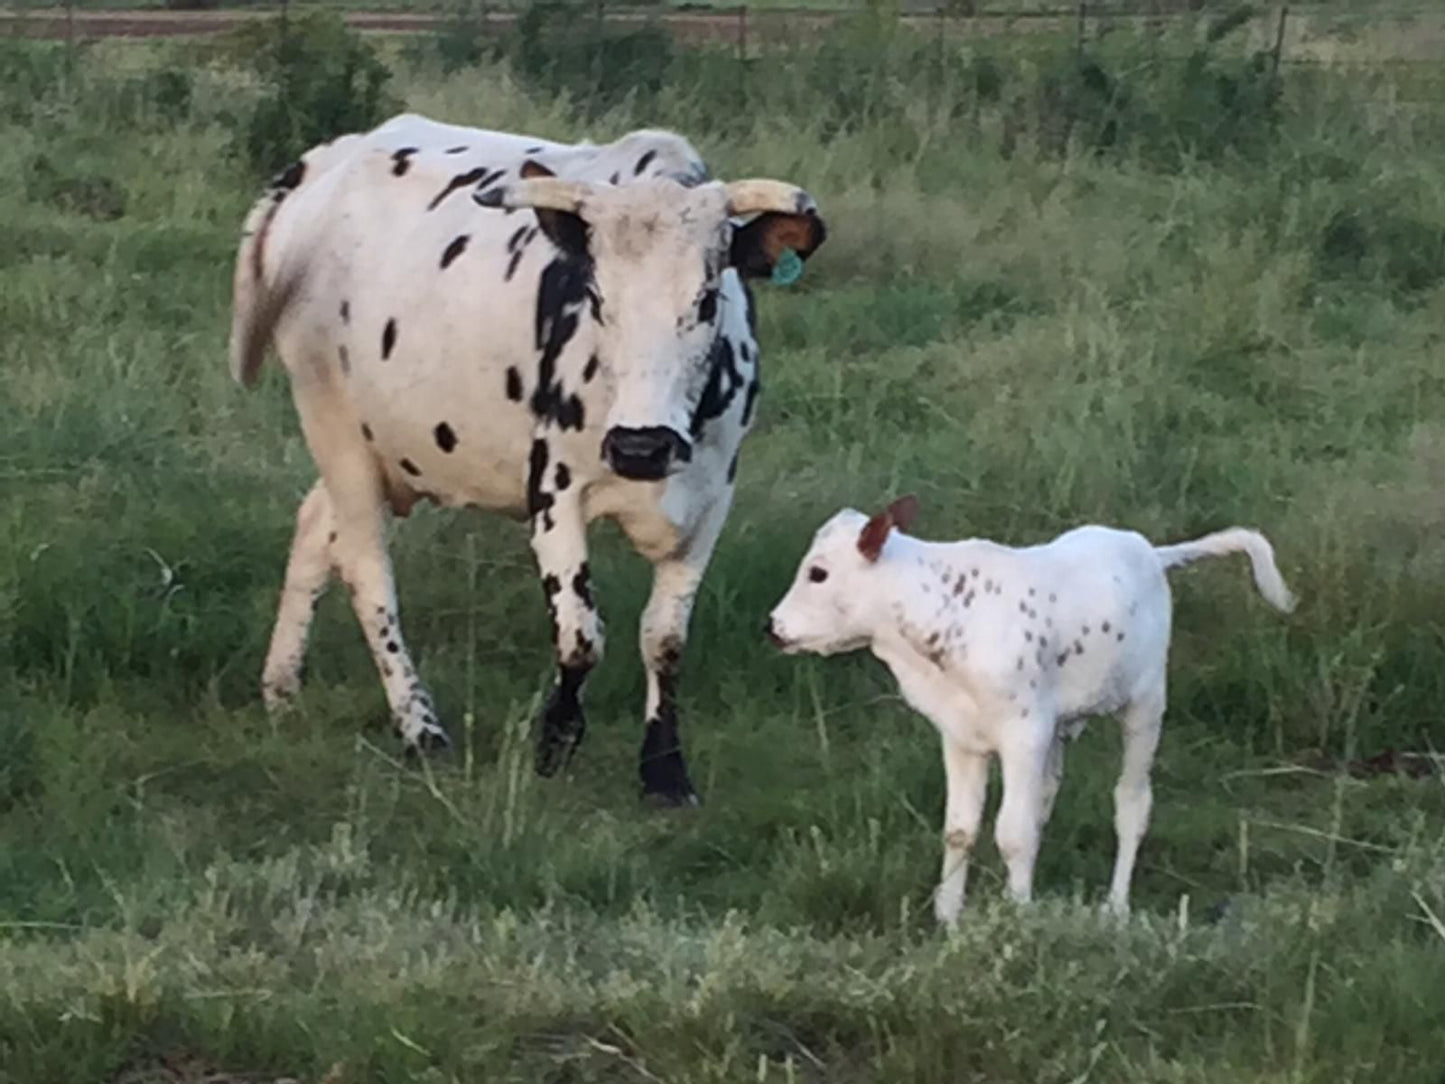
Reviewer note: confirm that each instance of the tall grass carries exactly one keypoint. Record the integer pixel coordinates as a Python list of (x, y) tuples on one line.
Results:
[(1195, 322)]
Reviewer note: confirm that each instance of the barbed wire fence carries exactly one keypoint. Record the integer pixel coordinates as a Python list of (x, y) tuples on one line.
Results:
[(1305, 33)]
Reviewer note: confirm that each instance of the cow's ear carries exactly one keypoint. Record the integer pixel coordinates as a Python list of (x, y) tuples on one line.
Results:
[(565, 230), (901, 514), (759, 245)]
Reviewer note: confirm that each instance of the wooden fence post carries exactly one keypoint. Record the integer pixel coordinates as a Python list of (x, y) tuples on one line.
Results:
[(1279, 39)]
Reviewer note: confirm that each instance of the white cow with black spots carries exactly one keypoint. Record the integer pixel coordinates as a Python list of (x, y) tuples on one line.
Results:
[(1008, 651), (555, 332)]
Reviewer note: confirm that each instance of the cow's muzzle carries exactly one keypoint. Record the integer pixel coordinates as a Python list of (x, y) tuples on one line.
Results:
[(645, 455)]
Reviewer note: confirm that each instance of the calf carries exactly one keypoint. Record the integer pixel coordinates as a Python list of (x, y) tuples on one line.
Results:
[(559, 334), (1008, 651)]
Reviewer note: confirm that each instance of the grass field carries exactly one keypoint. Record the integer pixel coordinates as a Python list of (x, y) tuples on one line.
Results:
[(1026, 334)]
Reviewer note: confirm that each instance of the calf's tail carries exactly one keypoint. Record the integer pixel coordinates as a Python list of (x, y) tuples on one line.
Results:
[(1235, 540)]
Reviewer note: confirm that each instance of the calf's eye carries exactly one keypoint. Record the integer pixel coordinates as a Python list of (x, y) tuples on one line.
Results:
[(817, 575)]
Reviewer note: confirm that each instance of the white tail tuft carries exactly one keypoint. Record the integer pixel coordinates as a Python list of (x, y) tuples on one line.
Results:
[(1235, 540)]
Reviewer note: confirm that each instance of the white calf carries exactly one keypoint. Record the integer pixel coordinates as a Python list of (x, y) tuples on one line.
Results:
[(1007, 651)]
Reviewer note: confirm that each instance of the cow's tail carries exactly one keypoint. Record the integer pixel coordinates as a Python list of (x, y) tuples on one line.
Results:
[(1235, 540), (260, 288), (255, 304)]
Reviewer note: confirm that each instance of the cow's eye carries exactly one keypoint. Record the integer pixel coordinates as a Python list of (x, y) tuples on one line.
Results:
[(817, 575)]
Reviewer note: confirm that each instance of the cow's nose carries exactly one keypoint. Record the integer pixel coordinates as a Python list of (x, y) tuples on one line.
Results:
[(644, 455), (771, 632)]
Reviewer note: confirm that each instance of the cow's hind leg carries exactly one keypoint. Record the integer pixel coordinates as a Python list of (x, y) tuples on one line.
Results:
[(559, 543), (308, 571), (358, 550), (661, 767)]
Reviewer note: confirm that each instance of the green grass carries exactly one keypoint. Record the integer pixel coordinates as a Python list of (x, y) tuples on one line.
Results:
[(1028, 340)]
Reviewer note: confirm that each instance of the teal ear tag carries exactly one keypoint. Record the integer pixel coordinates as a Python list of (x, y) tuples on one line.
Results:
[(788, 269)]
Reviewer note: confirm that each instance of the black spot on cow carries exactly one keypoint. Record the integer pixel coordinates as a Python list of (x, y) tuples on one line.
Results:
[(366, 431), (392, 647), (615, 178), (346, 312), (401, 161), (539, 501), (733, 469), (514, 384), (410, 468), (516, 238), (513, 263), (290, 177), (388, 338), (455, 249), (590, 369), (582, 585), (345, 359), (564, 287), (1078, 648), (563, 477), (1104, 627), (534, 150), (1061, 659), (461, 180), (456, 150), (723, 383), (446, 438), (551, 587), (707, 307), (643, 163), (486, 181), (750, 310)]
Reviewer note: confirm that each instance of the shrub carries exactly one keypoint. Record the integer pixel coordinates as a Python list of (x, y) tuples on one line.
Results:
[(322, 79)]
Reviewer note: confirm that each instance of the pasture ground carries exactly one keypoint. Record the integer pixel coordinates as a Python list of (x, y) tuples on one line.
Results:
[(1026, 335)]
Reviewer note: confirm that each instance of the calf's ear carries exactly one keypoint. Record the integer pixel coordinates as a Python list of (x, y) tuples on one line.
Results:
[(565, 229), (758, 246), (901, 514)]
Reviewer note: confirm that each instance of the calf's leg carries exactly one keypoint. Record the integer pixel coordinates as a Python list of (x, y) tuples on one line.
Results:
[(967, 776), (1020, 816), (1133, 795)]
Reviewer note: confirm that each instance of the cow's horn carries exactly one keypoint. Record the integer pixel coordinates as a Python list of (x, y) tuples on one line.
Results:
[(541, 193), (757, 195)]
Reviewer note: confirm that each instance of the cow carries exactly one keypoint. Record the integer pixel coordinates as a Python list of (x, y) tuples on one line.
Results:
[(1007, 651), (556, 333)]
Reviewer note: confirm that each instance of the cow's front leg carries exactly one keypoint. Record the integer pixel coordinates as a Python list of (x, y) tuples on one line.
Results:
[(675, 581), (559, 541)]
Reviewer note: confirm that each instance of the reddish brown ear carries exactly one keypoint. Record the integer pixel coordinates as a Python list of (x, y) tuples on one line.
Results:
[(531, 169), (901, 514), (904, 511)]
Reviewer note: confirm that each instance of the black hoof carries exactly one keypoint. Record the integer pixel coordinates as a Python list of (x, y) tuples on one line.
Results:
[(429, 743), (555, 749), (671, 799)]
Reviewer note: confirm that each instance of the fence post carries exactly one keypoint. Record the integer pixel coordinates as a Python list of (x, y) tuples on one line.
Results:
[(1279, 39), (1083, 14), (743, 53)]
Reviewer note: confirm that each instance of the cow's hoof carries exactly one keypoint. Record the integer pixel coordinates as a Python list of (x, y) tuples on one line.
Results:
[(670, 799), (430, 740), (665, 783), (555, 749)]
